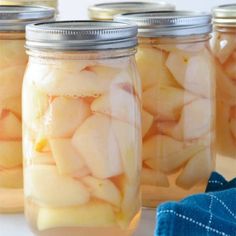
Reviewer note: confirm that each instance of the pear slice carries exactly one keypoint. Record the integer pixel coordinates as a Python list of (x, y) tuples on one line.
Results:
[(89, 215), (95, 141), (66, 157), (48, 188), (147, 121), (197, 170), (196, 120), (103, 189), (11, 178), (12, 104), (166, 103)]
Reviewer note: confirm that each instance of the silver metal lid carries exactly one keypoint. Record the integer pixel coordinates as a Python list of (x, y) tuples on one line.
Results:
[(225, 15), (81, 35), (15, 18), (171, 24), (107, 11)]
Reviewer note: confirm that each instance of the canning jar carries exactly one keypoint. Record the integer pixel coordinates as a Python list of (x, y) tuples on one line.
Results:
[(177, 74), (82, 129), (13, 61), (223, 45), (107, 10)]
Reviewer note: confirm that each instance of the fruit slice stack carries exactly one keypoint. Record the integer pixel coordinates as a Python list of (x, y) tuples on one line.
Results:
[(178, 118), (12, 65), (82, 141)]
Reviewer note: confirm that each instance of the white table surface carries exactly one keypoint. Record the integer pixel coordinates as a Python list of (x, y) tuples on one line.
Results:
[(15, 225)]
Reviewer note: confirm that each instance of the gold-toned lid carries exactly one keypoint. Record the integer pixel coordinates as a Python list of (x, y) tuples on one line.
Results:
[(49, 3), (225, 15), (107, 11)]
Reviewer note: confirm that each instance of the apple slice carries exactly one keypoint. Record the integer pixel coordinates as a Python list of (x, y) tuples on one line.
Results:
[(64, 116), (10, 127), (153, 177), (129, 142), (197, 170), (103, 189), (66, 157), (196, 120), (48, 188), (92, 214), (147, 121), (166, 103), (11, 178), (96, 143), (10, 154), (118, 104), (195, 73)]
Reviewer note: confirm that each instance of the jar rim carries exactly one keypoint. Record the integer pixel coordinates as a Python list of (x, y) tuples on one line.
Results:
[(16, 17), (107, 11), (170, 24), (81, 35)]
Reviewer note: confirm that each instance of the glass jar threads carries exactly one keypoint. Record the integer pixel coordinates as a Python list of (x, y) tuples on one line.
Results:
[(223, 45), (82, 129), (107, 11), (178, 115), (13, 61)]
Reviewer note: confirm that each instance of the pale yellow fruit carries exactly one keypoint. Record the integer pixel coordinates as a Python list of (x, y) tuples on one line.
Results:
[(151, 65), (58, 80), (168, 154), (129, 139), (223, 45), (89, 215), (12, 104), (67, 159), (147, 121), (166, 103), (96, 143), (48, 188), (64, 115), (119, 104), (11, 81), (10, 154), (10, 127), (195, 73), (11, 178), (154, 177), (196, 120), (197, 170), (103, 189)]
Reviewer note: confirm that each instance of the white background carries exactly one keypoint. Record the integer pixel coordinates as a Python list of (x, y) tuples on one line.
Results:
[(76, 9)]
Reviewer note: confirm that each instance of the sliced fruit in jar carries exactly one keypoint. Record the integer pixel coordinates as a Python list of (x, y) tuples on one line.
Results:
[(194, 73), (147, 121), (166, 103), (168, 153), (12, 104), (48, 188), (196, 120), (91, 81), (96, 143), (67, 159), (10, 153), (10, 126), (230, 69), (198, 169), (92, 214), (64, 116), (103, 189), (154, 177), (151, 65), (128, 138), (11, 178), (118, 104)]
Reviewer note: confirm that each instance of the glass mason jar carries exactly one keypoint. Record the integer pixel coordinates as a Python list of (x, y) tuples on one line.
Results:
[(107, 11), (178, 115), (13, 61), (223, 45), (82, 129)]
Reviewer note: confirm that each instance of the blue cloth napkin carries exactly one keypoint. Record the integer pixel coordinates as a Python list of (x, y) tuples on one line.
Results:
[(210, 214)]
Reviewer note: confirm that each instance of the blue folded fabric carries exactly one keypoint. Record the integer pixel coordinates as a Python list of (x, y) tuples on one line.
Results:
[(210, 214)]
